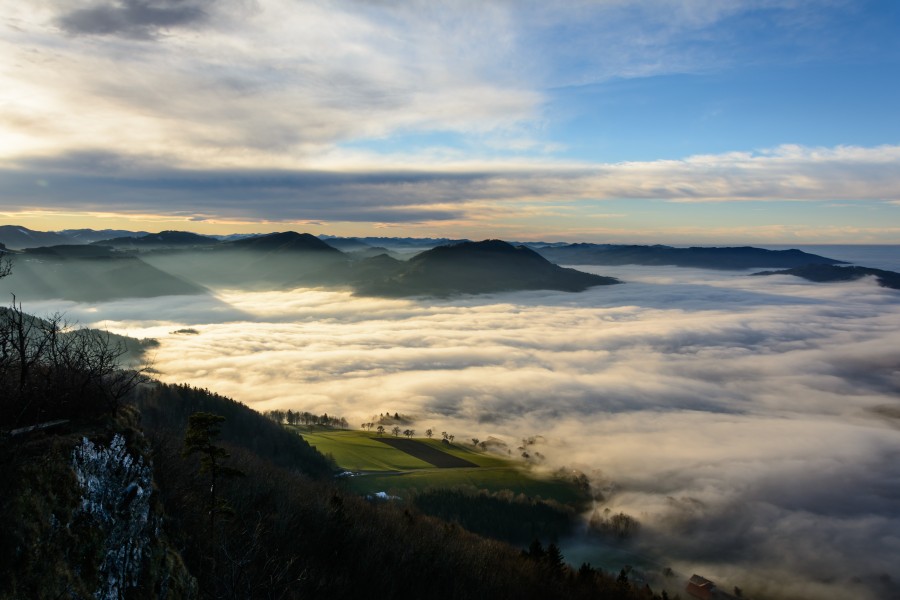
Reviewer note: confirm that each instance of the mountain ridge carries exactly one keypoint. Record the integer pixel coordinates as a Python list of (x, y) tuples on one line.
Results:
[(836, 273), (166, 238), (709, 257)]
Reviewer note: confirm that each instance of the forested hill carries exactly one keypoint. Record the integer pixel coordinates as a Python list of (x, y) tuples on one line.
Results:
[(474, 268), (283, 529), (744, 257), (833, 273), (165, 410), (294, 534)]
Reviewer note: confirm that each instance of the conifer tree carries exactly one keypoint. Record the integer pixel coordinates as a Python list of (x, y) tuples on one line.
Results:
[(203, 429)]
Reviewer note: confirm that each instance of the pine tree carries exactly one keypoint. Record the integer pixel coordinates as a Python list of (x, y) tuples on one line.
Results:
[(556, 565), (203, 429)]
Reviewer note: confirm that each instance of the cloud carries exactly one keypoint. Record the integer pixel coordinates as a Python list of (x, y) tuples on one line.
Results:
[(269, 83), (746, 422), (139, 19), (468, 193), (277, 82)]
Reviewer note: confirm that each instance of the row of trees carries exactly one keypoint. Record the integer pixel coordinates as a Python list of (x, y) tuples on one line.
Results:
[(291, 417), (396, 431)]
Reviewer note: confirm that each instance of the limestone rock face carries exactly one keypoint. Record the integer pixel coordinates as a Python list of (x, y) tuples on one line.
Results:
[(115, 499), (83, 517)]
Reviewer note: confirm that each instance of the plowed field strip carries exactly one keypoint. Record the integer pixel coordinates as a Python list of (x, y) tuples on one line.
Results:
[(439, 459)]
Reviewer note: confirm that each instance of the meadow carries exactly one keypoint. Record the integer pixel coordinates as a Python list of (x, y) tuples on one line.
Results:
[(378, 467)]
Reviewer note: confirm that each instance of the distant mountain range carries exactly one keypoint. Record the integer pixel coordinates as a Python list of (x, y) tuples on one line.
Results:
[(140, 264), (163, 239), (706, 258), (292, 259), (88, 236), (172, 263), (832, 273), (391, 243), (15, 237), (347, 244)]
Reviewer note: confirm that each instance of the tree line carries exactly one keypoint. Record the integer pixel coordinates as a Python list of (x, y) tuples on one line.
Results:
[(291, 417)]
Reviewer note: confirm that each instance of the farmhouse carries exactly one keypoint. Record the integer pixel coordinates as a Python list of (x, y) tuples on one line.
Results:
[(704, 589)]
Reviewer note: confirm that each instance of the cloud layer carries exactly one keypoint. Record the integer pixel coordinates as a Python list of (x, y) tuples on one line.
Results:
[(749, 423), (498, 199), (412, 114)]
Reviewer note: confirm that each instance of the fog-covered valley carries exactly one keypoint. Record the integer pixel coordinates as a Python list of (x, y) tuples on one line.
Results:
[(750, 424)]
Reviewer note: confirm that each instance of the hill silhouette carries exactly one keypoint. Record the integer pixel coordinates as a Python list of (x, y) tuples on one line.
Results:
[(16, 237), (86, 236), (833, 273), (271, 261), (744, 257), (478, 267), (287, 241), (159, 240)]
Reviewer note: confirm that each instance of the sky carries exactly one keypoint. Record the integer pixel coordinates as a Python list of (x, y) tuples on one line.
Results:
[(673, 121)]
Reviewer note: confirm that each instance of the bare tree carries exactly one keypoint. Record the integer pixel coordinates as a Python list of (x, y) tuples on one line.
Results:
[(5, 263), (50, 369)]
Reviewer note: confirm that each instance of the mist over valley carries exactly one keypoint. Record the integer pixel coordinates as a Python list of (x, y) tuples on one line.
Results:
[(747, 423)]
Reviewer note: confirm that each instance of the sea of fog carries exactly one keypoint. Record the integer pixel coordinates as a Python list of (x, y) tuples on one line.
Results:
[(751, 424)]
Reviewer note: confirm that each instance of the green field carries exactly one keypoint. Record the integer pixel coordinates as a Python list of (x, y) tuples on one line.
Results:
[(381, 468), (359, 450)]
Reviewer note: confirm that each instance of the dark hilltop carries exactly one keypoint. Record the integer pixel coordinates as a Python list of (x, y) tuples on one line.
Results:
[(744, 257), (477, 268), (833, 273)]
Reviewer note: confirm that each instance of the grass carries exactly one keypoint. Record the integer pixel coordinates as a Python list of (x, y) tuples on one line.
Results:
[(360, 451), (390, 470)]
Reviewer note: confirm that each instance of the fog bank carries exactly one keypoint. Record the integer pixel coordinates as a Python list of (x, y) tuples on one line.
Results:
[(745, 421)]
